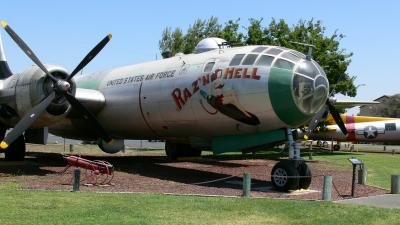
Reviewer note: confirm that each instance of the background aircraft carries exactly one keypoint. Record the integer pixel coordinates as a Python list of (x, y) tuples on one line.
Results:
[(217, 98), (360, 129)]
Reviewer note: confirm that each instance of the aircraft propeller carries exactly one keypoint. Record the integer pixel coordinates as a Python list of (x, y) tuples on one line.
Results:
[(323, 113), (61, 88)]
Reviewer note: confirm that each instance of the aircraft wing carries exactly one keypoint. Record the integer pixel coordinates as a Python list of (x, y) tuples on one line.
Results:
[(344, 104)]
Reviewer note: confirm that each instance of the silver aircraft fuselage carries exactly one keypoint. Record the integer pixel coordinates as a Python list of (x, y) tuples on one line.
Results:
[(230, 91)]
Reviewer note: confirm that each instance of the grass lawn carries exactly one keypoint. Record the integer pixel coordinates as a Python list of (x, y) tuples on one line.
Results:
[(40, 207), (379, 166)]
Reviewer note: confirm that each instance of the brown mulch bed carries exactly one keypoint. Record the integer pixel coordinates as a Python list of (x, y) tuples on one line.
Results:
[(156, 174)]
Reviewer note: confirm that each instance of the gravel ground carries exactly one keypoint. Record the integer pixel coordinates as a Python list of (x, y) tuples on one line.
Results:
[(153, 173)]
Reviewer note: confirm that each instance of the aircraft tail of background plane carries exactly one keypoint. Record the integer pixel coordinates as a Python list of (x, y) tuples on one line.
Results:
[(4, 68)]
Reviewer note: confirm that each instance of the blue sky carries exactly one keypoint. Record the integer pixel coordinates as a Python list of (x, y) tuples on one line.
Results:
[(62, 32)]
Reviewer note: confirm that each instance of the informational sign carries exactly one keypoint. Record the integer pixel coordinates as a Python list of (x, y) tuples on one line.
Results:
[(356, 161)]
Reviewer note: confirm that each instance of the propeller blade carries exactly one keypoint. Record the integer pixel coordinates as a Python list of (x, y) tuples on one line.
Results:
[(27, 121), (89, 116), (90, 56), (336, 117), (25, 48), (318, 117)]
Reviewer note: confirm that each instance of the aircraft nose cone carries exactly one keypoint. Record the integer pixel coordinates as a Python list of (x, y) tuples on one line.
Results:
[(296, 95), (310, 87)]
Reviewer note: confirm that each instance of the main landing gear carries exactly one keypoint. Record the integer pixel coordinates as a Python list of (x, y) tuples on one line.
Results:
[(293, 173), (176, 150)]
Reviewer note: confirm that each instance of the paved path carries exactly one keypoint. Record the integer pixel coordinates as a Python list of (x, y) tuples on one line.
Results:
[(382, 201)]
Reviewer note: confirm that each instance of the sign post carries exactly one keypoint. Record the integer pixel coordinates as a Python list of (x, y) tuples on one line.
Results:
[(355, 162)]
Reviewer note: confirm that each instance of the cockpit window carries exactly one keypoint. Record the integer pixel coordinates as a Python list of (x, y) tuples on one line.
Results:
[(321, 71), (321, 81), (298, 54), (310, 85), (306, 67), (259, 49), (209, 67), (236, 60), (283, 48), (290, 56), (274, 51), (249, 60), (265, 60), (284, 64), (303, 88)]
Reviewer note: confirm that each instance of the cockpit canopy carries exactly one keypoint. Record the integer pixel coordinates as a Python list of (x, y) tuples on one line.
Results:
[(309, 85), (211, 43)]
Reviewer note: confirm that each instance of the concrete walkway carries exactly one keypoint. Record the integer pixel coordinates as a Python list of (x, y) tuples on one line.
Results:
[(382, 201)]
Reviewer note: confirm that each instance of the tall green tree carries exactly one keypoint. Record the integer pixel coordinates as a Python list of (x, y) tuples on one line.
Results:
[(327, 51), (230, 32)]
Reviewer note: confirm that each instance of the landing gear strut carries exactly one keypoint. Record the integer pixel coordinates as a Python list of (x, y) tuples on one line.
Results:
[(176, 150), (293, 173)]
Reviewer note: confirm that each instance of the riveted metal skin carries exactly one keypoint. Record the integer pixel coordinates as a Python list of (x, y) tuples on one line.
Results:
[(175, 98)]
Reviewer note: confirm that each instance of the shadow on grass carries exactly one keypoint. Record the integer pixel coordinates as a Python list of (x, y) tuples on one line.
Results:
[(33, 164)]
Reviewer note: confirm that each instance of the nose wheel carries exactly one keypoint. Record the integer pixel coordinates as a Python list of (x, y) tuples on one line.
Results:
[(293, 173)]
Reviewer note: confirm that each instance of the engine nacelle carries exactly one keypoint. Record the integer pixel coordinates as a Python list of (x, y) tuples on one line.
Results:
[(22, 91), (33, 86), (115, 146)]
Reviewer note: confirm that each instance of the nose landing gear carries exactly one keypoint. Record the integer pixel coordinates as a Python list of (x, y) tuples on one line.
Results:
[(293, 173)]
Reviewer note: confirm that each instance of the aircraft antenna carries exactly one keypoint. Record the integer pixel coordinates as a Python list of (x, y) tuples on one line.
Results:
[(310, 48), (225, 44)]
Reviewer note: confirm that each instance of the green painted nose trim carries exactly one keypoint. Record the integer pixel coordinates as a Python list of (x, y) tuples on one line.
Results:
[(280, 93)]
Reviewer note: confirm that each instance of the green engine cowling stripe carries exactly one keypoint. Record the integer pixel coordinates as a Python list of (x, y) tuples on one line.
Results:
[(280, 93), (244, 141)]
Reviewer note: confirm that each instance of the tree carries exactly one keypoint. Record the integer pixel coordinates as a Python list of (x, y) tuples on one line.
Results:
[(255, 33), (165, 44), (231, 33), (327, 51)]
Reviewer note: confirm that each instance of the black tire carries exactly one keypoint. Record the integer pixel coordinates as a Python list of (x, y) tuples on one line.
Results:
[(282, 169), (305, 173), (336, 147), (176, 150), (171, 150), (192, 152), (16, 151)]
